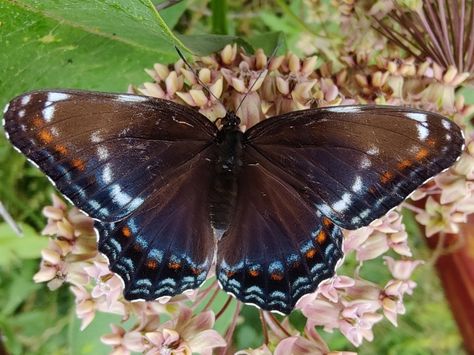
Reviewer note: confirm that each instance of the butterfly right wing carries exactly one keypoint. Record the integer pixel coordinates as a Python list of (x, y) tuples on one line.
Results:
[(139, 166), (355, 163)]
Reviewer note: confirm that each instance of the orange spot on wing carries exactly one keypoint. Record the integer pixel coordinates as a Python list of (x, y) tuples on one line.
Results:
[(431, 142), (254, 273), (387, 176), (45, 136), (152, 264), (422, 153), (327, 222), (60, 149), (195, 271), (230, 273), (310, 253), (78, 164), (126, 232), (404, 164), (38, 122), (321, 237), (174, 265), (276, 276)]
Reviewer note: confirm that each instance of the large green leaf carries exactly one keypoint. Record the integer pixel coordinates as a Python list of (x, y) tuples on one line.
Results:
[(133, 22), (13, 247), (39, 51)]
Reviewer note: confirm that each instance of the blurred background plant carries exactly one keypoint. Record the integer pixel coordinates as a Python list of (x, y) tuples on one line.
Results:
[(357, 52)]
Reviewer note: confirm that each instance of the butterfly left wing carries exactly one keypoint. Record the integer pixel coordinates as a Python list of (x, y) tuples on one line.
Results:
[(95, 146), (277, 247), (355, 163), (166, 245), (139, 166)]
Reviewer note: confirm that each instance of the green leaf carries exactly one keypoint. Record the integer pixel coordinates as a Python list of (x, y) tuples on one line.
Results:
[(132, 22), (219, 16), (13, 247), (269, 41), (40, 52), (88, 340), (172, 14), (20, 287)]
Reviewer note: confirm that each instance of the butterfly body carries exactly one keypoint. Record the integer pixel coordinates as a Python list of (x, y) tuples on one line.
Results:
[(228, 163), (162, 182)]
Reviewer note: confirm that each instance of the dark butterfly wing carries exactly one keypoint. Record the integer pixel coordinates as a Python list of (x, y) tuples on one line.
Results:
[(166, 245), (122, 159), (355, 163), (278, 247)]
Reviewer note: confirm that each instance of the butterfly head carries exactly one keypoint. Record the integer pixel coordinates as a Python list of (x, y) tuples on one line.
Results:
[(231, 121)]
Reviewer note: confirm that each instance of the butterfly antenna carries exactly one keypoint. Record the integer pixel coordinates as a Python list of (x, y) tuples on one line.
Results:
[(260, 74), (196, 74)]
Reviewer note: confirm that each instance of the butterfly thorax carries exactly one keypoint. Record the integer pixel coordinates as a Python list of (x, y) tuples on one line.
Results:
[(227, 167)]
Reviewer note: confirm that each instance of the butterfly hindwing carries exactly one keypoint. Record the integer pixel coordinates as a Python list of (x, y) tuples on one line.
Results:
[(277, 247), (139, 166), (166, 246), (355, 163)]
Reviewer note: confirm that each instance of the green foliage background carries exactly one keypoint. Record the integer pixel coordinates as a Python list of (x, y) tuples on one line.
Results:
[(105, 45)]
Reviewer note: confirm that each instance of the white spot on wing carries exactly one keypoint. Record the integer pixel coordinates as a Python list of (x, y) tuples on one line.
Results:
[(373, 150), (5, 109), (417, 116), (48, 113), (102, 153), (94, 204), (131, 98), (120, 197), (325, 209), (365, 163), (57, 96), (95, 137), (107, 175), (343, 109), (423, 132), (25, 99), (343, 203), (446, 124), (357, 186), (21, 113)]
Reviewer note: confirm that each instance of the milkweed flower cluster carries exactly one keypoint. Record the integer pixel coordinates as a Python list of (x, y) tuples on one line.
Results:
[(347, 302)]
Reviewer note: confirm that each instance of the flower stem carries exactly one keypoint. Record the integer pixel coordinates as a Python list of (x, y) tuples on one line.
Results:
[(203, 293), (230, 331), (213, 297), (264, 328), (224, 307), (278, 324)]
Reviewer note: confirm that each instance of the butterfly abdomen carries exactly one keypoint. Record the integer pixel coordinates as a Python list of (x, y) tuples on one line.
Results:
[(223, 193)]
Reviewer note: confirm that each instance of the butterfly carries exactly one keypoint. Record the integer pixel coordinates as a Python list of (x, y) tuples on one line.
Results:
[(171, 193)]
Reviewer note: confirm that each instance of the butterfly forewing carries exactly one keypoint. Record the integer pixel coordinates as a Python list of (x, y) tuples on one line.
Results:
[(137, 165), (103, 151), (355, 163)]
